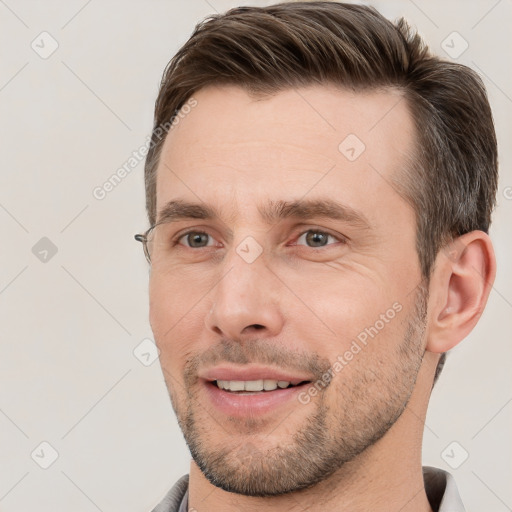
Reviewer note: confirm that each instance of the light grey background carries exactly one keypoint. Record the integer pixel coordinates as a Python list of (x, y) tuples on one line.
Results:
[(69, 325)]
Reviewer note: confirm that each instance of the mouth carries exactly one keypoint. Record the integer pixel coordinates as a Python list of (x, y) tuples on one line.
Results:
[(253, 391), (249, 387)]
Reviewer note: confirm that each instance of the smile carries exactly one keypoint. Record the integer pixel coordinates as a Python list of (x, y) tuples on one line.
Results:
[(252, 386)]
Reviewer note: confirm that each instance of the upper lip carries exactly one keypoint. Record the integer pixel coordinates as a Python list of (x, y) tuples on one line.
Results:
[(252, 372)]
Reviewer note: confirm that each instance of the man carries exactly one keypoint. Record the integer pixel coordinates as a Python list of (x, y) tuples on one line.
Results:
[(320, 190)]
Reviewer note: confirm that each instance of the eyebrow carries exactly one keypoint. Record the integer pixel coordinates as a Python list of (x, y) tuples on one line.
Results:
[(271, 213)]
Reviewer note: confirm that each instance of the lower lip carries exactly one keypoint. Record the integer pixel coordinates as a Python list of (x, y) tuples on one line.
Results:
[(241, 405)]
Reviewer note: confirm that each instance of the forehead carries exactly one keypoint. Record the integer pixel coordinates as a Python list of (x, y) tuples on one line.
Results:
[(231, 114), (282, 146)]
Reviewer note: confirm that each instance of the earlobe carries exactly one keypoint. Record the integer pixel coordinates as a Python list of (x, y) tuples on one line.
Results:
[(459, 288)]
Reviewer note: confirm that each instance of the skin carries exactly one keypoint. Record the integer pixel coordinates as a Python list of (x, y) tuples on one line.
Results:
[(236, 152)]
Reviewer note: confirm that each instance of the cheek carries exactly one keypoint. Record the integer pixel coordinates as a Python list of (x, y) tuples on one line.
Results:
[(173, 315), (341, 304), (175, 295), (357, 326)]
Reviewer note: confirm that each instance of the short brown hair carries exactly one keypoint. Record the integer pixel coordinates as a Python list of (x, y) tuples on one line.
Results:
[(453, 180)]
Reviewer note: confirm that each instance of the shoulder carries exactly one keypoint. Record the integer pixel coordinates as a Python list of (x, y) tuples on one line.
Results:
[(172, 500), (441, 490)]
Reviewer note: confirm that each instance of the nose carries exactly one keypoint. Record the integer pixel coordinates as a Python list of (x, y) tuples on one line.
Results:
[(245, 302)]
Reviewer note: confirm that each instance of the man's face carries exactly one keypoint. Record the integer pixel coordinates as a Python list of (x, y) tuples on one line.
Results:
[(264, 300)]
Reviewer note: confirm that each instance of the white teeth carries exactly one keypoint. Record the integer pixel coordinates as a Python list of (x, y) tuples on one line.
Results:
[(235, 385), (254, 385), (251, 385), (269, 385)]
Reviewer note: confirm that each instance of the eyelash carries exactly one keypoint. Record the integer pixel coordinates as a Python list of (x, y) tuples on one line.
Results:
[(340, 239)]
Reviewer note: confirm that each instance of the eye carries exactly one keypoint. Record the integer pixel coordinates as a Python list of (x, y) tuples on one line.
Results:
[(195, 239), (316, 238)]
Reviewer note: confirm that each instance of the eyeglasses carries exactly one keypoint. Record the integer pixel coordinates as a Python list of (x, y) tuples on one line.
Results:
[(145, 239), (155, 241)]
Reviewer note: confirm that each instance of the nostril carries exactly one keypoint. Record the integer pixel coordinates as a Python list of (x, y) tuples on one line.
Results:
[(258, 326)]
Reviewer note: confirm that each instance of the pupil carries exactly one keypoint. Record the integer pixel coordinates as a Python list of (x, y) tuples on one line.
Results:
[(197, 238), (316, 237)]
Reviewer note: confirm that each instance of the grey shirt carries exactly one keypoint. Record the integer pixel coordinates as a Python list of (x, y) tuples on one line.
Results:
[(440, 487)]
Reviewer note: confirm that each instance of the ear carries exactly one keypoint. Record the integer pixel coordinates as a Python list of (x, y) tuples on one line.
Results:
[(460, 284)]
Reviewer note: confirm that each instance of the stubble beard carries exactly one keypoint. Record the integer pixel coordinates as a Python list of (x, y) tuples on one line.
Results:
[(329, 437)]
